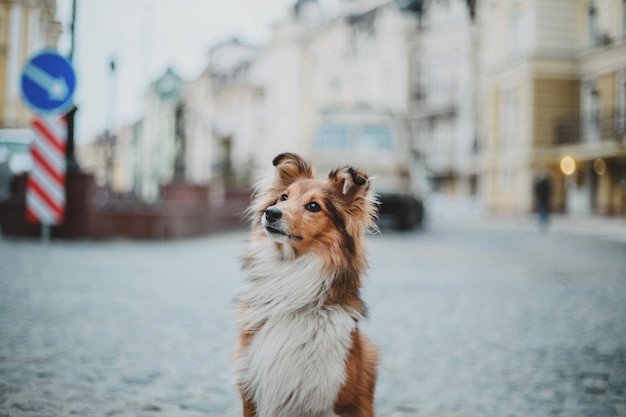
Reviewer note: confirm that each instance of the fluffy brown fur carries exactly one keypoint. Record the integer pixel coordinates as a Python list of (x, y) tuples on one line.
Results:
[(334, 231)]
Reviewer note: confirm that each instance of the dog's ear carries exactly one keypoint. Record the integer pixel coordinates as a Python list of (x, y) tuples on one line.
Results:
[(349, 182), (354, 194), (290, 168)]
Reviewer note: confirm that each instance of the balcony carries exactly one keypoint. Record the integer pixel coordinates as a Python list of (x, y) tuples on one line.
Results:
[(608, 126)]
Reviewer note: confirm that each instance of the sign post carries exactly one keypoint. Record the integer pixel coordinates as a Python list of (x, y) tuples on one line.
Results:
[(48, 83)]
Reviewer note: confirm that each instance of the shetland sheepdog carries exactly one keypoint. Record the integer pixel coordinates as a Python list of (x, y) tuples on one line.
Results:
[(299, 351)]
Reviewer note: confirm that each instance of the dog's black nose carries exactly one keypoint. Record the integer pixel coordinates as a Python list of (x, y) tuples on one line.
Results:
[(272, 214)]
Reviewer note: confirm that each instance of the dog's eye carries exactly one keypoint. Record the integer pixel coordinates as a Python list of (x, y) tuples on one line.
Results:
[(313, 207), (283, 197)]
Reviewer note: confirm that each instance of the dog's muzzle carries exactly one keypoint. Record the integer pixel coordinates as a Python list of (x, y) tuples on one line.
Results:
[(272, 214), (271, 221), (273, 224)]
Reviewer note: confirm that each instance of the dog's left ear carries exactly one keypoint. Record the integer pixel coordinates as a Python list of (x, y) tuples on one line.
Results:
[(349, 182), (354, 194)]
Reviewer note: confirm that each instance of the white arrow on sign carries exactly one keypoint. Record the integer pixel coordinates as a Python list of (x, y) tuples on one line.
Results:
[(56, 87)]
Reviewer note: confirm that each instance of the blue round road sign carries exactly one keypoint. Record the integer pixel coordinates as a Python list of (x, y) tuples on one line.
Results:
[(48, 83)]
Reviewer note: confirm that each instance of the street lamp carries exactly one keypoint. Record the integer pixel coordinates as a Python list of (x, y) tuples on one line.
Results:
[(599, 166), (568, 165), (70, 156)]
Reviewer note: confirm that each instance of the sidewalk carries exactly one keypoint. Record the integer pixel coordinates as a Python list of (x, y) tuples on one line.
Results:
[(606, 228), (597, 227), (465, 214)]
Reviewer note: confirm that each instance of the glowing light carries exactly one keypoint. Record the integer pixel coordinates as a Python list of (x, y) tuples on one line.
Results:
[(568, 165), (599, 166)]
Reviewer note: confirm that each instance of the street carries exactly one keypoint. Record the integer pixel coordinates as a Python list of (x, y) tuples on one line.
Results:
[(492, 319)]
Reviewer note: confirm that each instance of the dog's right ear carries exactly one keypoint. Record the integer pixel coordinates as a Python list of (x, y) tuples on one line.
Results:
[(290, 168)]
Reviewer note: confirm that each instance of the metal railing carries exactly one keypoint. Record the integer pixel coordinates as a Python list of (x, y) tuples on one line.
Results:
[(607, 126)]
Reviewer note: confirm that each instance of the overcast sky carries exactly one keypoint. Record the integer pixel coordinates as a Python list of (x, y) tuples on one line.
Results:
[(145, 37)]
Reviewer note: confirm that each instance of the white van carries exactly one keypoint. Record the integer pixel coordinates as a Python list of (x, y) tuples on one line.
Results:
[(379, 143), (15, 157)]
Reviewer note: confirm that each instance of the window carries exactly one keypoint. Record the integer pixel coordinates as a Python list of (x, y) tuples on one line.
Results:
[(16, 147), (3, 23), (332, 138), (592, 24), (624, 18), (509, 109), (374, 139), (35, 37), (15, 49), (592, 122), (508, 179), (622, 116), (366, 139), (515, 35)]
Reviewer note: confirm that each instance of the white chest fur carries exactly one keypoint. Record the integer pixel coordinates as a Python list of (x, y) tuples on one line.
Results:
[(295, 364)]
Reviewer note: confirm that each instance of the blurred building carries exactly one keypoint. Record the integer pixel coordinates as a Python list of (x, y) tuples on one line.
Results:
[(497, 92), (223, 115), (595, 136), (330, 55), (554, 85), (252, 103), (159, 152), (124, 168), (444, 94), (26, 27)]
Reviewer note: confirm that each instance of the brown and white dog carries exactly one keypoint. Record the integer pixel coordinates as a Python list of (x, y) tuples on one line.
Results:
[(299, 351)]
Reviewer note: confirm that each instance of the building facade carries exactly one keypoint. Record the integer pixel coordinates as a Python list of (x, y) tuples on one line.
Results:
[(124, 167), (330, 55), (26, 27), (222, 116), (160, 151), (497, 92), (252, 103), (598, 145), (444, 109), (551, 82)]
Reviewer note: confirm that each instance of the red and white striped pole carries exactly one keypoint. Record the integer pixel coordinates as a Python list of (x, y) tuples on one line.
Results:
[(45, 192)]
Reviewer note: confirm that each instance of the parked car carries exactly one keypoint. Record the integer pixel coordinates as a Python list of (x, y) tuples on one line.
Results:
[(378, 142), (15, 156)]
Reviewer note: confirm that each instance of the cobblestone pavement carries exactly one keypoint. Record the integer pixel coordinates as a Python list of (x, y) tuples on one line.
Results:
[(474, 321)]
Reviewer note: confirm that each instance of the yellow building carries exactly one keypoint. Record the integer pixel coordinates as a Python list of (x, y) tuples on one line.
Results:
[(26, 27), (554, 83)]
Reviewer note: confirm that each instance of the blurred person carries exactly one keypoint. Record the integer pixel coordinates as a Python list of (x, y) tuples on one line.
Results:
[(543, 190)]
